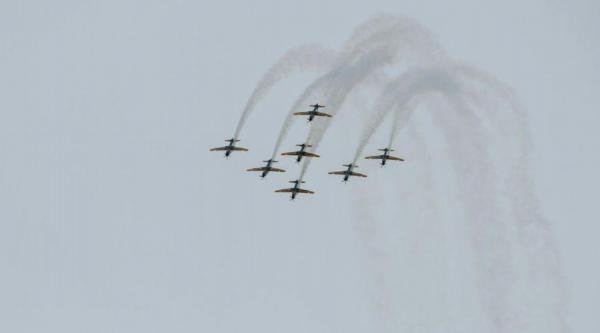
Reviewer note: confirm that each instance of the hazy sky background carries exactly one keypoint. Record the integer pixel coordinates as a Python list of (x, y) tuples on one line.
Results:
[(114, 217)]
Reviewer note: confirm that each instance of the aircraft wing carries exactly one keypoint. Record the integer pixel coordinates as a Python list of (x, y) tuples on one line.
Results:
[(257, 169), (392, 158), (307, 113), (239, 149), (277, 170), (285, 190), (304, 191), (342, 173), (220, 148), (291, 153), (310, 154), (357, 174), (323, 114), (376, 157)]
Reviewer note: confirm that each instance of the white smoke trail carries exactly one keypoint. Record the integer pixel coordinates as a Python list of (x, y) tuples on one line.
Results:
[(380, 257), (545, 281), (383, 29), (486, 218), (340, 88), (383, 39), (400, 118), (396, 92), (305, 57), (484, 187), (506, 126), (377, 262), (401, 95), (309, 94), (495, 270), (501, 214), (313, 92)]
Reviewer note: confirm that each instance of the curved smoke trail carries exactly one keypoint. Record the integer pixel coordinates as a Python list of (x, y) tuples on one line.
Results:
[(400, 118), (378, 42), (339, 90), (380, 257), (401, 95), (534, 233), (468, 150), (497, 200), (312, 56), (369, 238), (506, 230)]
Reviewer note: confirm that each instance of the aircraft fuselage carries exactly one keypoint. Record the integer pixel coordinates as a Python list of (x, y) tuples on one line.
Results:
[(266, 171)]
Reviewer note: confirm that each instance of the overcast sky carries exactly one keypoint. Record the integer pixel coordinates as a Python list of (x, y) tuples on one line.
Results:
[(114, 217)]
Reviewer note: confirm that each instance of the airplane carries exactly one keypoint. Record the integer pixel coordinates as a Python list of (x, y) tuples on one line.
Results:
[(295, 190), (386, 156), (301, 153), (348, 172), (315, 112), (267, 168), (230, 147)]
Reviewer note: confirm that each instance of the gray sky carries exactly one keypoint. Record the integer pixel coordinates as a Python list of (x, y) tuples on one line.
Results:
[(116, 218)]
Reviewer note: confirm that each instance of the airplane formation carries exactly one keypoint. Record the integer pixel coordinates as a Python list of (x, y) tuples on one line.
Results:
[(303, 153)]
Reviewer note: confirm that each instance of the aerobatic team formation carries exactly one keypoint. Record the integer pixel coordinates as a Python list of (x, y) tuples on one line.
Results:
[(391, 71), (301, 153), (362, 68)]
